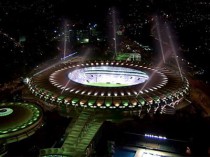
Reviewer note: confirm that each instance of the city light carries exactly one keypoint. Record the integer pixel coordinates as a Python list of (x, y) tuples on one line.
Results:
[(155, 136)]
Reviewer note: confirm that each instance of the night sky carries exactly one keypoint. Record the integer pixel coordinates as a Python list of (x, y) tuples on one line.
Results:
[(31, 33)]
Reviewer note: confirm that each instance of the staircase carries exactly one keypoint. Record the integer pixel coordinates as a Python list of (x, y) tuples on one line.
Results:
[(79, 134)]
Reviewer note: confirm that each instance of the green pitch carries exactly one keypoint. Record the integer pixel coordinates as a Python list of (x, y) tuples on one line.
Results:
[(104, 84)]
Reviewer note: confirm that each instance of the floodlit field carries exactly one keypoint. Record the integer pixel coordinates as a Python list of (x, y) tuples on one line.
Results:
[(102, 84), (108, 76)]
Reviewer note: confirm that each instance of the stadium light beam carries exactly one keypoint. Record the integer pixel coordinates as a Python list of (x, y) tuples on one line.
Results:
[(174, 51), (160, 38)]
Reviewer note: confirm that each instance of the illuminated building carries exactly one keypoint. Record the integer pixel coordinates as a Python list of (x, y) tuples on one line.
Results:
[(95, 91), (18, 121)]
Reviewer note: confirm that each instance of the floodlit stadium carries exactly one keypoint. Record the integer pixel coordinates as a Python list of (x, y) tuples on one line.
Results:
[(110, 85), (95, 91)]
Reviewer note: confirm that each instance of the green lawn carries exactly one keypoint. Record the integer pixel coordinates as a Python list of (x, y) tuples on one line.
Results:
[(104, 84)]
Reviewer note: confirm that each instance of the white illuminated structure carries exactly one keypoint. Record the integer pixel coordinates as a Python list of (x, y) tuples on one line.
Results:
[(108, 74), (155, 136)]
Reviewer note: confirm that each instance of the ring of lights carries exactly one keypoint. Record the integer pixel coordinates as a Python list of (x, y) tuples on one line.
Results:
[(163, 87), (5, 111), (23, 121)]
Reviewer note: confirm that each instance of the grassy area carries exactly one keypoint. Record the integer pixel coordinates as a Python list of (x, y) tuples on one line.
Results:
[(123, 56), (103, 84)]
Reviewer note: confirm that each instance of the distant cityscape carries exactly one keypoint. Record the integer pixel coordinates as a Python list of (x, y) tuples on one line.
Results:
[(143, 75)]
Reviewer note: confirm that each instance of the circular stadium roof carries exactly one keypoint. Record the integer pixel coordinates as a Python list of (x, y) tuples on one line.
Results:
[(18, 120), (79, 84)]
